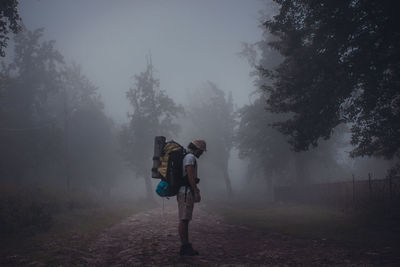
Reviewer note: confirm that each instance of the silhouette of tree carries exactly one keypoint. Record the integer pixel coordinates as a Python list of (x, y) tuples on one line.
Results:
[(265, 147), (28, 132), (213, 119), (341, 64), (153, 114), (90, 155), (51, 114), (9, 21)]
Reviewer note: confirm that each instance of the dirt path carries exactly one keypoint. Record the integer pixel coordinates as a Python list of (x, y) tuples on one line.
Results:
[(150, 239)]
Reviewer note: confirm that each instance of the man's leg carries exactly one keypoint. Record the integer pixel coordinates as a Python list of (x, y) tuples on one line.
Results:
[(186, 247), (185, 204), (184, 231)]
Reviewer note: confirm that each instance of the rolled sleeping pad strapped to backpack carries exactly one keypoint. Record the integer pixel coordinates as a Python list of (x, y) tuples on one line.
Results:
[(159, 143)]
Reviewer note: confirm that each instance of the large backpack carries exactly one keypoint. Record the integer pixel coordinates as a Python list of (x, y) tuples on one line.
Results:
[(167, 166)]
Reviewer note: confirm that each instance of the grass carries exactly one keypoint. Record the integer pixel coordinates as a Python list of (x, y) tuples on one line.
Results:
[(372, 228), (69, 238)]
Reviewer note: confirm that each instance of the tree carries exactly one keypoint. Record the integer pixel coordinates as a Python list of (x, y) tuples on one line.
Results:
[(51, 114), (9, 21), (213, 119), (341, 65), (265, 147), (153, 114), (29, 138), (271, 157), (89, 147)]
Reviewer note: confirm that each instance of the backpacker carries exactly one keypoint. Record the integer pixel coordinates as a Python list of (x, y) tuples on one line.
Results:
[(167, 166)]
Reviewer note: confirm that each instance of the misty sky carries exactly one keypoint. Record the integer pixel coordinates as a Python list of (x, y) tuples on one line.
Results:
[(191, 42)]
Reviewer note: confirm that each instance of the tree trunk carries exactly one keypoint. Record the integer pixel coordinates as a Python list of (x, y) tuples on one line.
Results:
[(300, 165), (251, 171), (227, 182), (270, 185)]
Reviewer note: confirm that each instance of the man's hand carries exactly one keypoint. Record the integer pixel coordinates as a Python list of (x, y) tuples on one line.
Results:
[(197, 197)]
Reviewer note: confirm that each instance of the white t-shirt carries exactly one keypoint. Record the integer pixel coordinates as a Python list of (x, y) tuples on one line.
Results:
[(189, 159)]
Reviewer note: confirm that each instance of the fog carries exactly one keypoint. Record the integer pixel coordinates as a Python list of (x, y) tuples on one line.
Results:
[(291, 108), (191, 42), (203, 55)]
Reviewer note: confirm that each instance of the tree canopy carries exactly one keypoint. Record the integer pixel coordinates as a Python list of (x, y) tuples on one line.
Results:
[(341, 64), (27, 132), (153, 114), (213, 119), (9, 21), (263, 145), (52, 121)]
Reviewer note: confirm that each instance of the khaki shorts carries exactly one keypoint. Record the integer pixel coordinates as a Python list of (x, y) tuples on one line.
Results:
[(185, 207)]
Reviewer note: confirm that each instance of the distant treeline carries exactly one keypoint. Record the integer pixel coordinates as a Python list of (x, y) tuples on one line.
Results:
[(53, 128)]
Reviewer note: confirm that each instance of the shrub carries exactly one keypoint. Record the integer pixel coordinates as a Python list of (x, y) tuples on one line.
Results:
[(22, 213)]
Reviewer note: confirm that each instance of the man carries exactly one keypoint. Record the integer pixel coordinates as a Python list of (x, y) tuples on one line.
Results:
[(189, 194)]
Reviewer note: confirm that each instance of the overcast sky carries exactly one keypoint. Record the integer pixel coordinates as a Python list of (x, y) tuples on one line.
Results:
[(191, 42)]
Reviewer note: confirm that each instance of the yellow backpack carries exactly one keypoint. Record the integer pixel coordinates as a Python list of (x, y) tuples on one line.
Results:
[(167, 166)]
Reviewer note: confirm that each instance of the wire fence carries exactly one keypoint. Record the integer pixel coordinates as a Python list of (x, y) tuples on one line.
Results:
[(343, 194)]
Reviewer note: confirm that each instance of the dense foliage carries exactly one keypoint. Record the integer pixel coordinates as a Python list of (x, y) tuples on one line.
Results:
[(9, 21), (341, 64), (265, 147), (52, 126), (29, 136)]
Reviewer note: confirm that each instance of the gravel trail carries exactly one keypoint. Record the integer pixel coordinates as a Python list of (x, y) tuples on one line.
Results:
[(150, 239)]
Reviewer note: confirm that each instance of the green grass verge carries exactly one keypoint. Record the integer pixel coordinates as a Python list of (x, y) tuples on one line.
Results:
[(367, 229)]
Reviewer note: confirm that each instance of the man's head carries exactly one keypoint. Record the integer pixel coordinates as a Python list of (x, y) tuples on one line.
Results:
[(198, 147)]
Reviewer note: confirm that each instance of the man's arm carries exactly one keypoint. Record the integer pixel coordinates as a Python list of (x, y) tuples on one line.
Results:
[(192, 182)]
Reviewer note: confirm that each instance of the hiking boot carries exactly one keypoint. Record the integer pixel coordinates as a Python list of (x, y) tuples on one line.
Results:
[(187, 250)]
